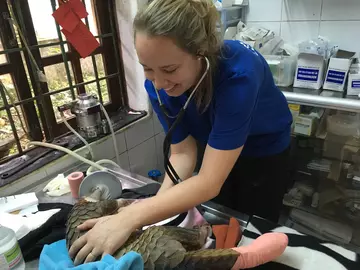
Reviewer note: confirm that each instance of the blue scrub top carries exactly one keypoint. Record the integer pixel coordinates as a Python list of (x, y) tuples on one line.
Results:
[(247, 107)]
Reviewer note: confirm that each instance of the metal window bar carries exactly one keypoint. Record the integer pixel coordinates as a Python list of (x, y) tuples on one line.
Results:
[(94, 63), (20, 11), (39, 46), (11, 120), (57, 91), (8, 106), (71, 87)]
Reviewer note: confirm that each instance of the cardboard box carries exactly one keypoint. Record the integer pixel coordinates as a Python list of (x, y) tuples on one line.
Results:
[(338, 70), (310, 71), (305, 125), (353, 87), (256, 37)]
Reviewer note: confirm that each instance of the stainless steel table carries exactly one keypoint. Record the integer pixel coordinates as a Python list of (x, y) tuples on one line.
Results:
[(213, 213)]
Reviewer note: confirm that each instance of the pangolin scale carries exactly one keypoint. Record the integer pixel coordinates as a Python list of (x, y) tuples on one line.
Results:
[(161, 247)]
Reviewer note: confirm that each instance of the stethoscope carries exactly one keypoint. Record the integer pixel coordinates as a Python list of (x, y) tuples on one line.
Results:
[(167, 141)]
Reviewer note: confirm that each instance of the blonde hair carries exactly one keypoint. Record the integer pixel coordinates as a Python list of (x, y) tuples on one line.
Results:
[(192, 25)]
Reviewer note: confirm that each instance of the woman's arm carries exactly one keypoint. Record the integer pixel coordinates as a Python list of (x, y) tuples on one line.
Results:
[(183, 159), (198, 189)]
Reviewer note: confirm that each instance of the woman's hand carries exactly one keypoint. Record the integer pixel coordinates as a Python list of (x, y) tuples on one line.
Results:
[(105, 236)]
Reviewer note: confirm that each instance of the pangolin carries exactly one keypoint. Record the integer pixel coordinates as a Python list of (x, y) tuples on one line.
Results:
[(161, 247)]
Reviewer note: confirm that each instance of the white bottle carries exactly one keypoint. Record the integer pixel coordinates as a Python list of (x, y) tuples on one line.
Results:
[(11, 257)]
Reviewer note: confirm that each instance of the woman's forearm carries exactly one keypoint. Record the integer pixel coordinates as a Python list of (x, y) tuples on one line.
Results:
[(184, 165), (178, 199)]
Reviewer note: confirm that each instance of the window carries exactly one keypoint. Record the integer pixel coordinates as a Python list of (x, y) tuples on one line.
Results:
[(28, 108)]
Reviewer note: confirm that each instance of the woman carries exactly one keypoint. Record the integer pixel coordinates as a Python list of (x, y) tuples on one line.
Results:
[(237, 109)]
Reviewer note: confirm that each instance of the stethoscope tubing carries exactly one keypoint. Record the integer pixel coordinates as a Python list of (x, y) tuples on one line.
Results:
[(167, 141)]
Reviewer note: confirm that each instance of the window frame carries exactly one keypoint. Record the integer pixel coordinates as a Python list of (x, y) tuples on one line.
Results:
[(105, 14)]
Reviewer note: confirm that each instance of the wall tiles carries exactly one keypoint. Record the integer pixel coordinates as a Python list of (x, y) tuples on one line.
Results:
[(139, 133), (304, 10), (124, 161), (302, 20), (264, 11), (343, 33), (105, 149), (274, 26), (143, 157), (295, 32), (342, 10), (158, 128)]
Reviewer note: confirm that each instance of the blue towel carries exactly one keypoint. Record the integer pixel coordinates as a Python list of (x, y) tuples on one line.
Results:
[(56, 257)]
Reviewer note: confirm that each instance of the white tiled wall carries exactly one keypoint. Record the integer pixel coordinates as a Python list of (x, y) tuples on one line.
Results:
[(298, 20)]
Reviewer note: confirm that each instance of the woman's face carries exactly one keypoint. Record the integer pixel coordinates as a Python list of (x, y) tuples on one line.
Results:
[(166, 65)]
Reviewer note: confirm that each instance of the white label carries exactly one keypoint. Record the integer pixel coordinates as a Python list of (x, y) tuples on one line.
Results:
[(303, 126), (11, 258), (3, 262)]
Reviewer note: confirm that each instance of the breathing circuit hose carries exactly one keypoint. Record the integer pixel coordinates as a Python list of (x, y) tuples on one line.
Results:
[(78, 135), (68, 151), (77, 156), (87, 161)]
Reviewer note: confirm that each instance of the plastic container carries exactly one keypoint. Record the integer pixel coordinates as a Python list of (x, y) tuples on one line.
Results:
[(282, 68), (342, 124), (154, 175), (11, 257)]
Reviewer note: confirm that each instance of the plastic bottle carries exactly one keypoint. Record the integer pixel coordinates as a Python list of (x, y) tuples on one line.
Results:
[(11, 257), (154, 174)]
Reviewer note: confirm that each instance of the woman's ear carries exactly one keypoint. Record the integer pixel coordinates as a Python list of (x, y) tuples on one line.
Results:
[(200, 56)]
